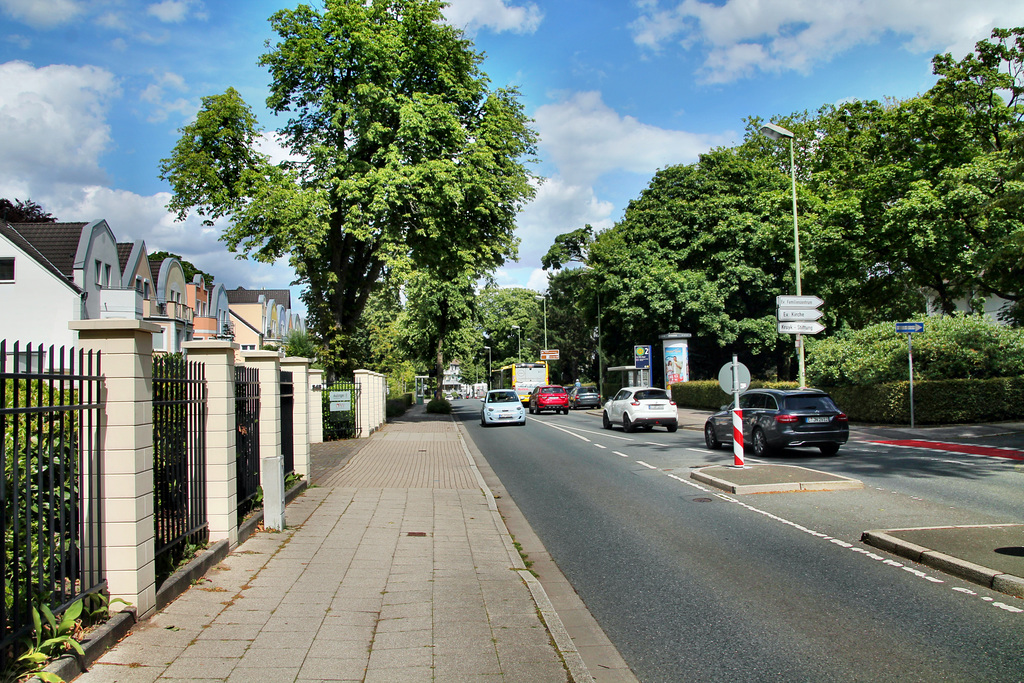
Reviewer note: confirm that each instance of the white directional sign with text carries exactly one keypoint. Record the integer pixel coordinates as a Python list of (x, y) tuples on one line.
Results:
[(800, 328), (796, 314)]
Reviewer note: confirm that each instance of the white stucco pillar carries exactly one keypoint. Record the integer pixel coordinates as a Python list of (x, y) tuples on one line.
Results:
[(126, 461), (299, 367), (218, 358), (316, 406)]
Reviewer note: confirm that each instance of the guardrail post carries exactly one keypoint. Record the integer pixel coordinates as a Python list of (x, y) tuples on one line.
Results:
[(316, 405), (218, 357), (126, 461), (299, 367), (268, 364)]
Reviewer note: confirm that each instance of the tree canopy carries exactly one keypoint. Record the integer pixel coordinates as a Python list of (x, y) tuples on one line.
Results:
[(401, 152), (24, 212)]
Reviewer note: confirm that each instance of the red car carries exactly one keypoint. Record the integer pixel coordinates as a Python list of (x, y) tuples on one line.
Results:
[(549, 397)]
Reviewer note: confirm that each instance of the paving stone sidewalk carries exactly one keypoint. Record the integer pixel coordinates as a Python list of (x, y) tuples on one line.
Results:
[(393, 567)]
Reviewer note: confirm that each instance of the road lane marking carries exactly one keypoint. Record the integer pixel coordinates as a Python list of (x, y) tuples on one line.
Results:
[(564, 430), (622, 454), (650, 467), (600, 445)]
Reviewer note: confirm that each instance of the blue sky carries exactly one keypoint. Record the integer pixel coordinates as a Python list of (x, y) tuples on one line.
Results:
[(93, 92)]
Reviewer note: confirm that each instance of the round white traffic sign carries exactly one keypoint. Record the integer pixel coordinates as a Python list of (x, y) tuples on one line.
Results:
[(732, 380)]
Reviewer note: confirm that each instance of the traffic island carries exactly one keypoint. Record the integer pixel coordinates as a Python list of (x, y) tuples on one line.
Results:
[(772, 479), (991, 555)]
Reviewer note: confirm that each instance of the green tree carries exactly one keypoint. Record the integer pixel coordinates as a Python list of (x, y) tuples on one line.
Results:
[(190, 269), (24, 212), (406, 154), (499, 308)]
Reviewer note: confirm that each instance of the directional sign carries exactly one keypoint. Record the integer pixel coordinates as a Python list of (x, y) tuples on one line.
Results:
[(799, 314), (549, 354), (909, 328), (800, 328), (798, 301)]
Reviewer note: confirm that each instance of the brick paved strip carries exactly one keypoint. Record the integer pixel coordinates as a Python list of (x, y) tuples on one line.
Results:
[(437, 459)]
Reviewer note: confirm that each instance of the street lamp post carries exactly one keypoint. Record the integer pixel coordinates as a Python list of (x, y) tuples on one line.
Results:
[(777, 133), (519, 336), (544, 298), (488, 367)]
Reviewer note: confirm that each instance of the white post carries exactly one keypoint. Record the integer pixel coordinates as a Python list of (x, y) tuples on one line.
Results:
[(316, 405)]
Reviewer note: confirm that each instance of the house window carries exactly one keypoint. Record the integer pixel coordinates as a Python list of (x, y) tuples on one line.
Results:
[(106, 275), (7, 269), (99, 272), (145, 289), (138, 284)]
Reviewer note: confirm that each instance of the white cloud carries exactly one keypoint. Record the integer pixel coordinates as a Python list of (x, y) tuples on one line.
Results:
[(156, 94), (743, 37), (472, 15), (54, 124), (170, 11), (42, 13), (586, 138)]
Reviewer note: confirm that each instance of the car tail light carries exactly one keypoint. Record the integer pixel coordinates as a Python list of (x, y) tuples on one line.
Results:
[(841, 417), (786, 419), (671, 403), (634, 403)]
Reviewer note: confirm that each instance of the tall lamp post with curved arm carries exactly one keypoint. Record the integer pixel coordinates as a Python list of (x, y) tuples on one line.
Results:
[(778, 133), (519, 336), (488, 367)]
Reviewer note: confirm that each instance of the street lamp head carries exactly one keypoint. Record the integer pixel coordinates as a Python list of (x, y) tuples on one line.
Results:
[(515, 327), (775, 132), (488, 348), (539, 297)]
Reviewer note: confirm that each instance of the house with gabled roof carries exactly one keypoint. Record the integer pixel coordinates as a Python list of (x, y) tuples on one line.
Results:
[(262, 316), (169, 307), (52, 273)]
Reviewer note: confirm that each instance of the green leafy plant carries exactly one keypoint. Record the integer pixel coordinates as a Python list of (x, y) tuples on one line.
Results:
[(47, 641), (439, 405)]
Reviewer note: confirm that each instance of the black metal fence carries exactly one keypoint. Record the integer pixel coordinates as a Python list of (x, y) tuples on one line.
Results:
[(339, 409), (288, 422), (179, 454), (247, 438), (50, 493)]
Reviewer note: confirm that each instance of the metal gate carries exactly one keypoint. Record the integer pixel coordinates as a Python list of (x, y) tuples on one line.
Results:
[(339, 408), (247, 437)]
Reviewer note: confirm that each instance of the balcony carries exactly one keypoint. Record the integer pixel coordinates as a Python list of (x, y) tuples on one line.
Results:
[(120, 303), (168, 310)]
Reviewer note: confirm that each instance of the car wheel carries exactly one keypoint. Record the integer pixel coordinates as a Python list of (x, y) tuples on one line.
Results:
[(648, 428), (565, 411), (761, 447), (531, 410), (483, 422), (672, 428), (829, 448), (627, 424), (710, 438), (605, 422)]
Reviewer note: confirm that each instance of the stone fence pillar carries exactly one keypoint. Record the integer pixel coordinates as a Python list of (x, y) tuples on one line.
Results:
[(218, 357), (370, 412), (126, 460), (316, 405)]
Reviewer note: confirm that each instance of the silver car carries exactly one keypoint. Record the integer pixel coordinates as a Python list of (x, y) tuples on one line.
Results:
[(775, 418), (643, 407), (502, 406)]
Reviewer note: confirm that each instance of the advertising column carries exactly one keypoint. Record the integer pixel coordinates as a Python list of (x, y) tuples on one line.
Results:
[(676, 358)]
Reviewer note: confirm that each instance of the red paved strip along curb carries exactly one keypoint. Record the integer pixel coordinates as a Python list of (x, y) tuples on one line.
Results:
[(957, 448)]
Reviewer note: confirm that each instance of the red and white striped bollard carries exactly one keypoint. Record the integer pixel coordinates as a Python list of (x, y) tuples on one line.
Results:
[(737, 437)]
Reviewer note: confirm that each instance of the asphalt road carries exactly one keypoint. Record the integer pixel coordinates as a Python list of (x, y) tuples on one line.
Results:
[(690, 584)]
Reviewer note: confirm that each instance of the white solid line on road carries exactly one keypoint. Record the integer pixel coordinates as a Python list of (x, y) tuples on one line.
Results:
[(622, 454), (566, 431)]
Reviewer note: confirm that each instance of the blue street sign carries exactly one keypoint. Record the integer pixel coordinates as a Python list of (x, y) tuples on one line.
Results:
[(909, 328), (642, 357)]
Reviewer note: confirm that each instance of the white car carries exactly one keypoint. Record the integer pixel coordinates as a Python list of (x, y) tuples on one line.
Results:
[(643, 407), (502, 406)]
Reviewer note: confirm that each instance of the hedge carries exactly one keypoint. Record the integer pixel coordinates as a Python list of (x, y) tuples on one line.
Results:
[(951, 401)]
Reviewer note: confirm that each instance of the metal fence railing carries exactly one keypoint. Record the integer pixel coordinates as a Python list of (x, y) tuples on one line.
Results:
[(339, 409), (288, 422), (247, 437), (50, 407), (179, 453)]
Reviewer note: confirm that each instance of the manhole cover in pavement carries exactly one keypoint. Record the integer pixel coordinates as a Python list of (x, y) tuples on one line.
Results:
[(417, 533), (702, 500)]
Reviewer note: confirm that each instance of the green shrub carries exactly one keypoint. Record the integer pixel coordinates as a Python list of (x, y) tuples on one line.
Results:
[(409, 398), (439, 405), (951, 347), (708, 395), (395, 407)]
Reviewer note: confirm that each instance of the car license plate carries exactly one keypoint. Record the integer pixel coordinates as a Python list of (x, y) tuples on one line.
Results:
[(655, 407), (818, 419)]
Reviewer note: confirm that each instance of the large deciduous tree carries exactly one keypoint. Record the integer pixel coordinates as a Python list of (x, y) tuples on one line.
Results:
[(401, 151)]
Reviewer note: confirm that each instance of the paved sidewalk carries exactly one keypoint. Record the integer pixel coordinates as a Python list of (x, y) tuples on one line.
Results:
[(395, 566)]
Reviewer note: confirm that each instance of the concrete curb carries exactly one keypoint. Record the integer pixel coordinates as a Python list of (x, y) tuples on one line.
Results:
[(968, 571), (71, 665), (577, 669), (834, 482)]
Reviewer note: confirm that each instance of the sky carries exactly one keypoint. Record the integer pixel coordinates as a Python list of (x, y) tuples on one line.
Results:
[(93, 94)]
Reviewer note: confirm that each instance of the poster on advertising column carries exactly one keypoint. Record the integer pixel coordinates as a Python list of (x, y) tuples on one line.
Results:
[(675, 354)]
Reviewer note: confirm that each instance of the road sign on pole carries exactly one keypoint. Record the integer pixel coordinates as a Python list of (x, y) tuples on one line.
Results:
[(800, 327), (798, 301), (909, 328), (549, 354), (798, 314)]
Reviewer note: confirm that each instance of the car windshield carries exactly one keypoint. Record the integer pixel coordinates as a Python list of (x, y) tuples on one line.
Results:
[(809, 402), (588, 390), (651, 395), (503, 397), (552, 390)]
